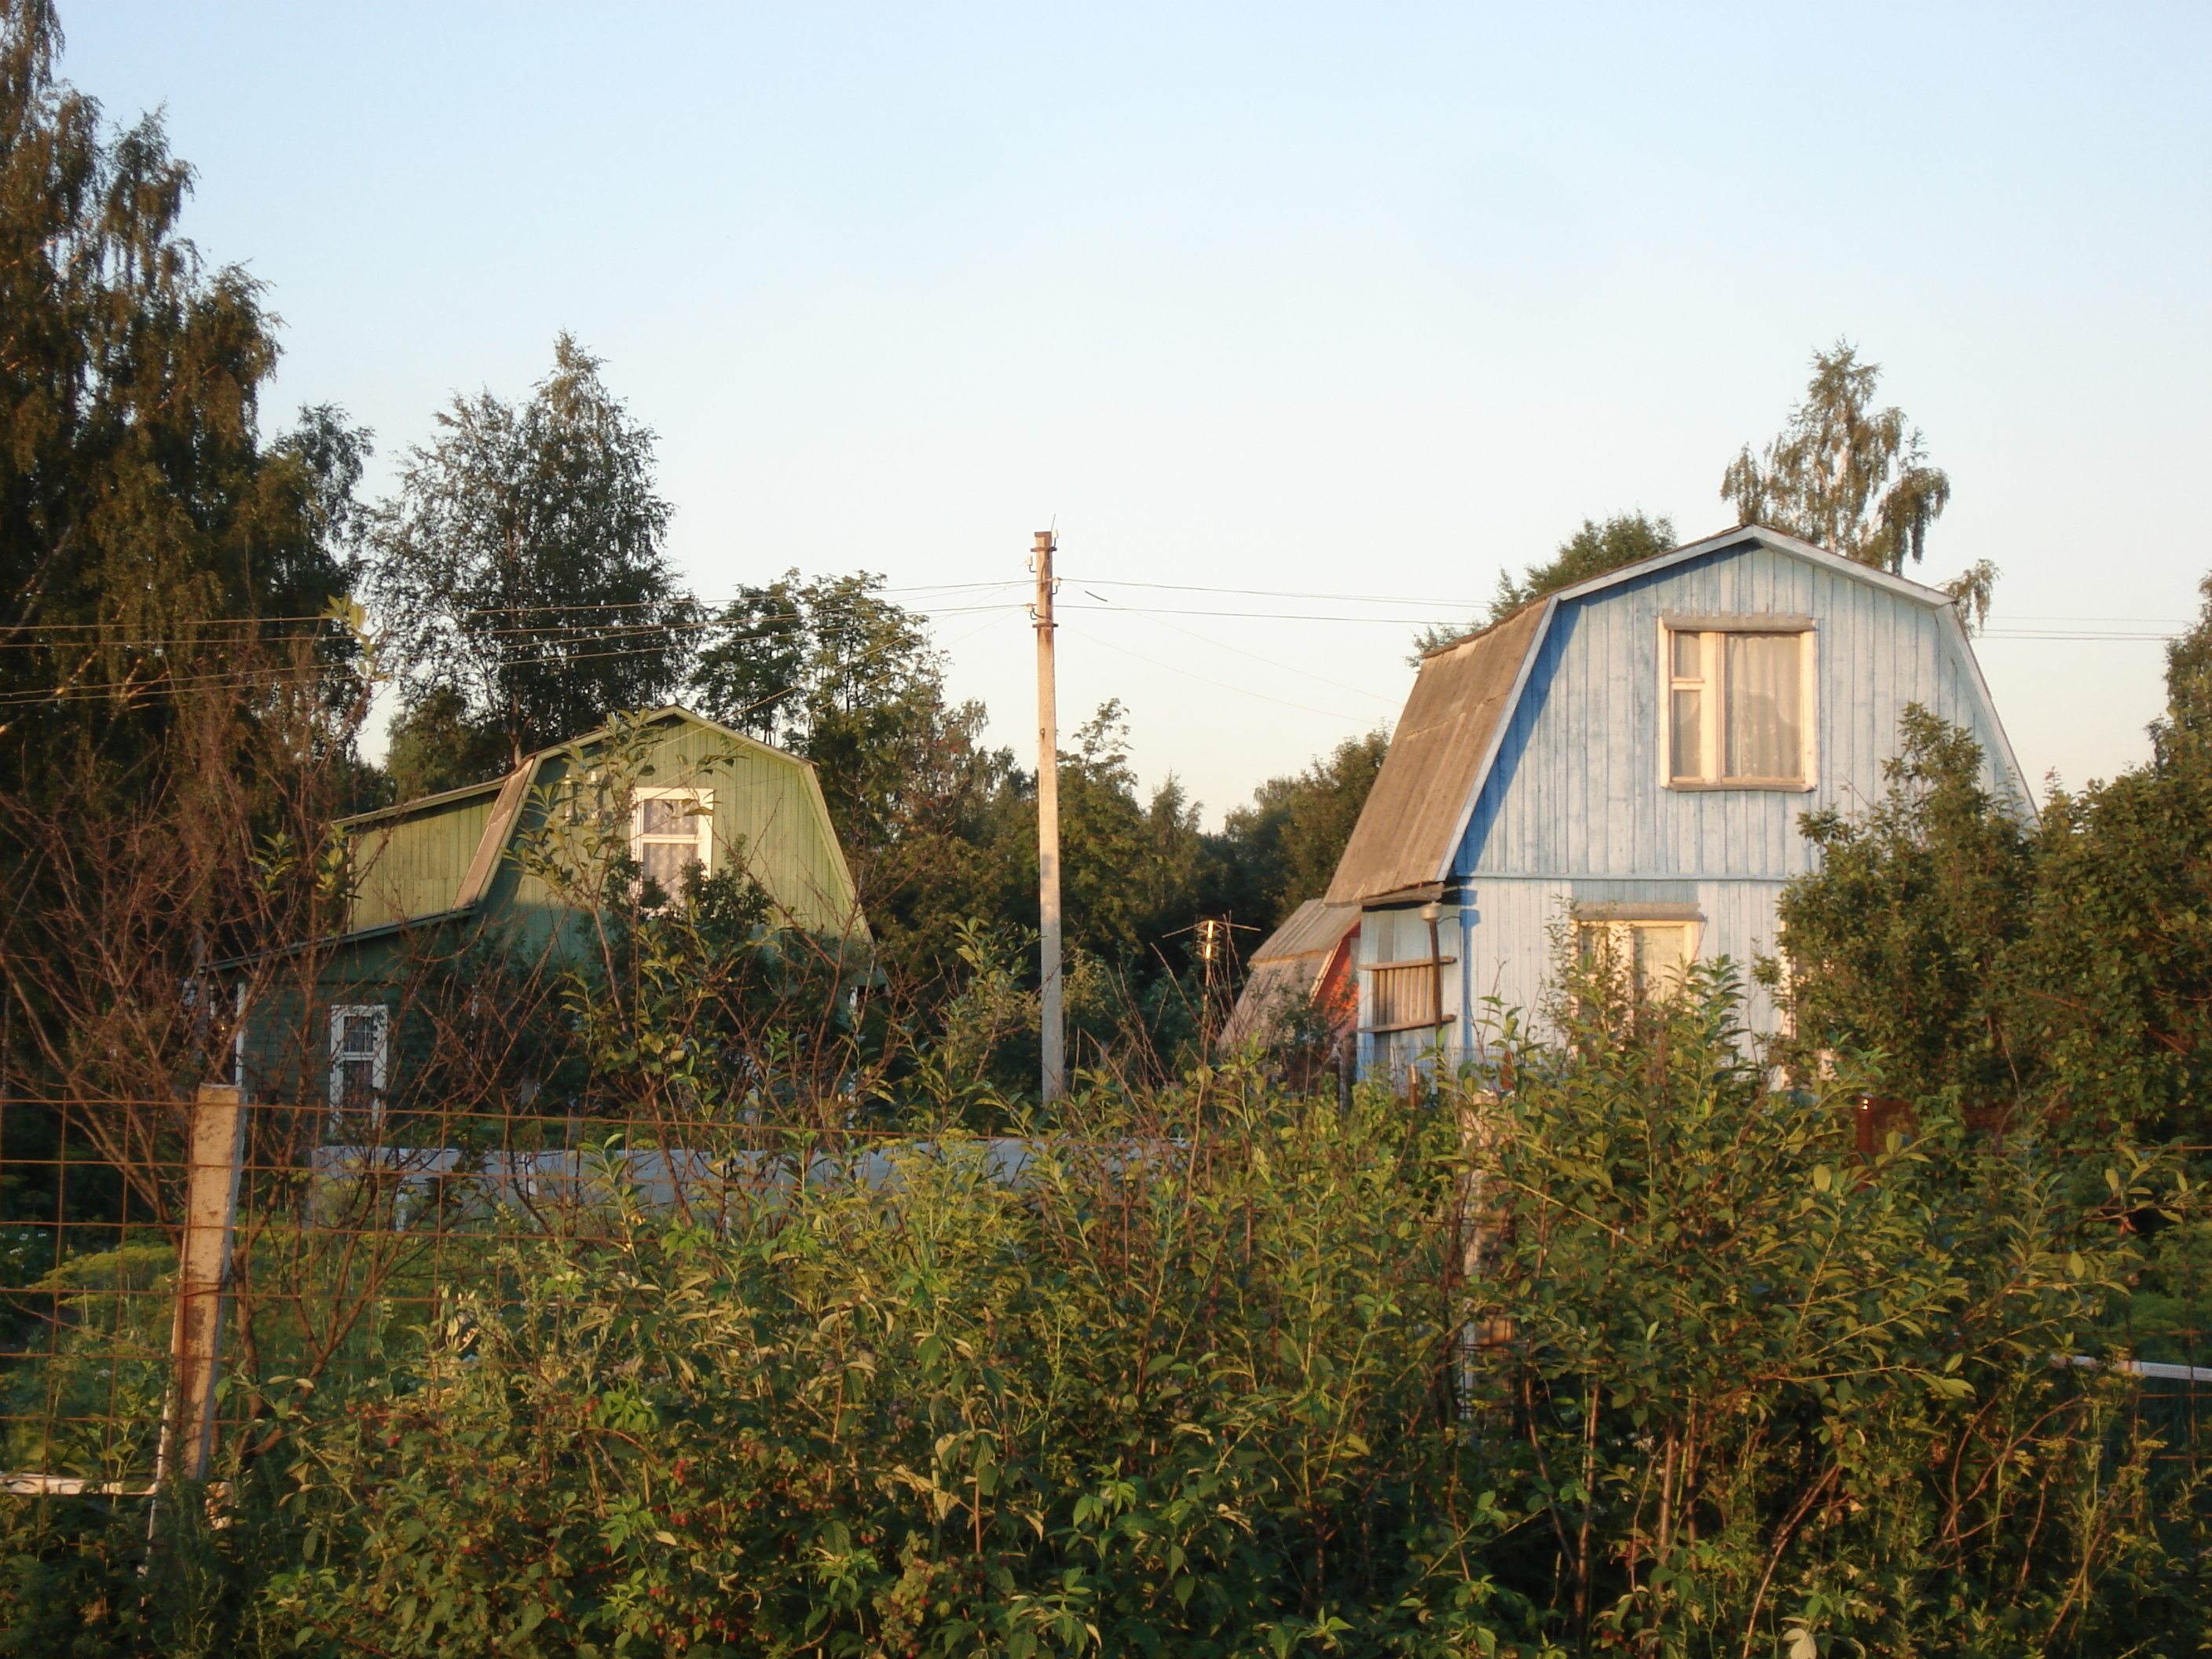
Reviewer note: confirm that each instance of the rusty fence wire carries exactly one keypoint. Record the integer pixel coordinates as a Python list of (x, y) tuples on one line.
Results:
[(149, 1315)]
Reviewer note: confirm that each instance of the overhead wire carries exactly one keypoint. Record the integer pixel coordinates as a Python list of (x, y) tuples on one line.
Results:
[(1242, 690), (2115, 630), (1223, 645)]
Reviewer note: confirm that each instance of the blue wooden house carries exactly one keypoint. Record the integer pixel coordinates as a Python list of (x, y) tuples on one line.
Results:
[(1627, 760)]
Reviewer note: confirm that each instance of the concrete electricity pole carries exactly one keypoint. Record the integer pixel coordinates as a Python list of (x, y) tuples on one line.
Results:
[(1053, 1036)]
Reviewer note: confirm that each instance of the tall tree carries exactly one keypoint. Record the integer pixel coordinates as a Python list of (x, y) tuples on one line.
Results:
[(522, 569), (832, 670), (1282, 849), (170, 703), (829, 669), (1844, 475), (150, 540)]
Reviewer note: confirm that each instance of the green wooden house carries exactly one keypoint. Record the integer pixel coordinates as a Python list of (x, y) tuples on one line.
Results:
[(441, 884)]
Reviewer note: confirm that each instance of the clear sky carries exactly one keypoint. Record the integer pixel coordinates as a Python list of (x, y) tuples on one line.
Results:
[(1363, 299)]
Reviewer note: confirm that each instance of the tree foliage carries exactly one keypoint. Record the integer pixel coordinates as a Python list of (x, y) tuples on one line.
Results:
[(2061, 968), (1900, 944), (150, 541), (1595, 550), (522, 569), (1842, 474), (176, 716), (1778, 1399), (1282, 849)]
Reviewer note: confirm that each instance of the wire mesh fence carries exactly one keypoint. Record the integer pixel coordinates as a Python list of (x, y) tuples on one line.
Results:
[(320, 1253), (156, 1317)]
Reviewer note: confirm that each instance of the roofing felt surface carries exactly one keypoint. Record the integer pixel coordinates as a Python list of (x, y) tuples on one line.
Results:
[(1316, 924), (1404, 835)]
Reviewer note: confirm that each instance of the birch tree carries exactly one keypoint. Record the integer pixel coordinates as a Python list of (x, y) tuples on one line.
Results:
[(1844, 475)]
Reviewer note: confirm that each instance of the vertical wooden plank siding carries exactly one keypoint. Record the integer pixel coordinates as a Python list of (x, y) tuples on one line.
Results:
[(412, 866)]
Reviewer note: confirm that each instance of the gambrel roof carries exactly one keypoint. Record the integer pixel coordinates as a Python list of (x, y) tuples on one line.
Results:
[(460, 836), (1463, 700)]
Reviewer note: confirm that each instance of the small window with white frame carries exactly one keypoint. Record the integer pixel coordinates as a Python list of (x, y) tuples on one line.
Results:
[(1739, 703), (671, 830), (361, 1050)]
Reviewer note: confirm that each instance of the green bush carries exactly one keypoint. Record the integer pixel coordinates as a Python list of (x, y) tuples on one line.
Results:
[(1165, 1393), (1770, 1394), (1610, 1348)]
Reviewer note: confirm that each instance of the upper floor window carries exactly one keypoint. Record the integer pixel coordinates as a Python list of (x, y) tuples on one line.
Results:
[(670, 830), (1739, 704)]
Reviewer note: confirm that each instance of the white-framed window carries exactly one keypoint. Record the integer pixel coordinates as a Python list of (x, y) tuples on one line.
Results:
[(670, 830), (360, 1053), (1645, 958), (1739, 710)]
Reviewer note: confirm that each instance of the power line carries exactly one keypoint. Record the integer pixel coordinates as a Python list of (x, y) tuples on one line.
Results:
[(1242, 690), (1221, 645)]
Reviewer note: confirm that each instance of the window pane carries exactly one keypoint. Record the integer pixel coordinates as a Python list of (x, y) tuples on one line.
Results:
[(664, 860), (1661, 952), (360, 1033), (1689, 660), (356, 1086), (1689, 750), (666, 817), (1761, 715)]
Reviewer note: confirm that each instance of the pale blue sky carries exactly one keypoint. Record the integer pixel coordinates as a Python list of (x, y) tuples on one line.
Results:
[(1358, 299)]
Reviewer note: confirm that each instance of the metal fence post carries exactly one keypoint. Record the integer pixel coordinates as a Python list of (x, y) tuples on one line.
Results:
[(215, 1158)]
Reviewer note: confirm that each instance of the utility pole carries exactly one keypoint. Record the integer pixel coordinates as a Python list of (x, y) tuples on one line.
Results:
[(1055, 1035)]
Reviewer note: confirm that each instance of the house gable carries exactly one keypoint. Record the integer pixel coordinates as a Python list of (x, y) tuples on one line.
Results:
[(1512, 814), (1535, 744), (1576, 788)]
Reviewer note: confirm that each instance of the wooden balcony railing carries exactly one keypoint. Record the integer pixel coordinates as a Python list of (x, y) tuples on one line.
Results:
[(1401, 996)]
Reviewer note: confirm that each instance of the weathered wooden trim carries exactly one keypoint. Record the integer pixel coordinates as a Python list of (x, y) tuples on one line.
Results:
[(1771, 786), (1636, 910), (1748, 622), (1404, 898), (493, 841)]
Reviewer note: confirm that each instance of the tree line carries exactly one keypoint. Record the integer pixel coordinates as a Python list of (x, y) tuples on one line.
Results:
[(185, 583), (186, 579)]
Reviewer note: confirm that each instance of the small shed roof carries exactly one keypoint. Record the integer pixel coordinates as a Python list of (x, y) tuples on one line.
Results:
[(1286, 970), (1316, 924)]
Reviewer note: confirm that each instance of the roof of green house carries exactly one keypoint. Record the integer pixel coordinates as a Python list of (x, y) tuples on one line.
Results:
[(441, 856)]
